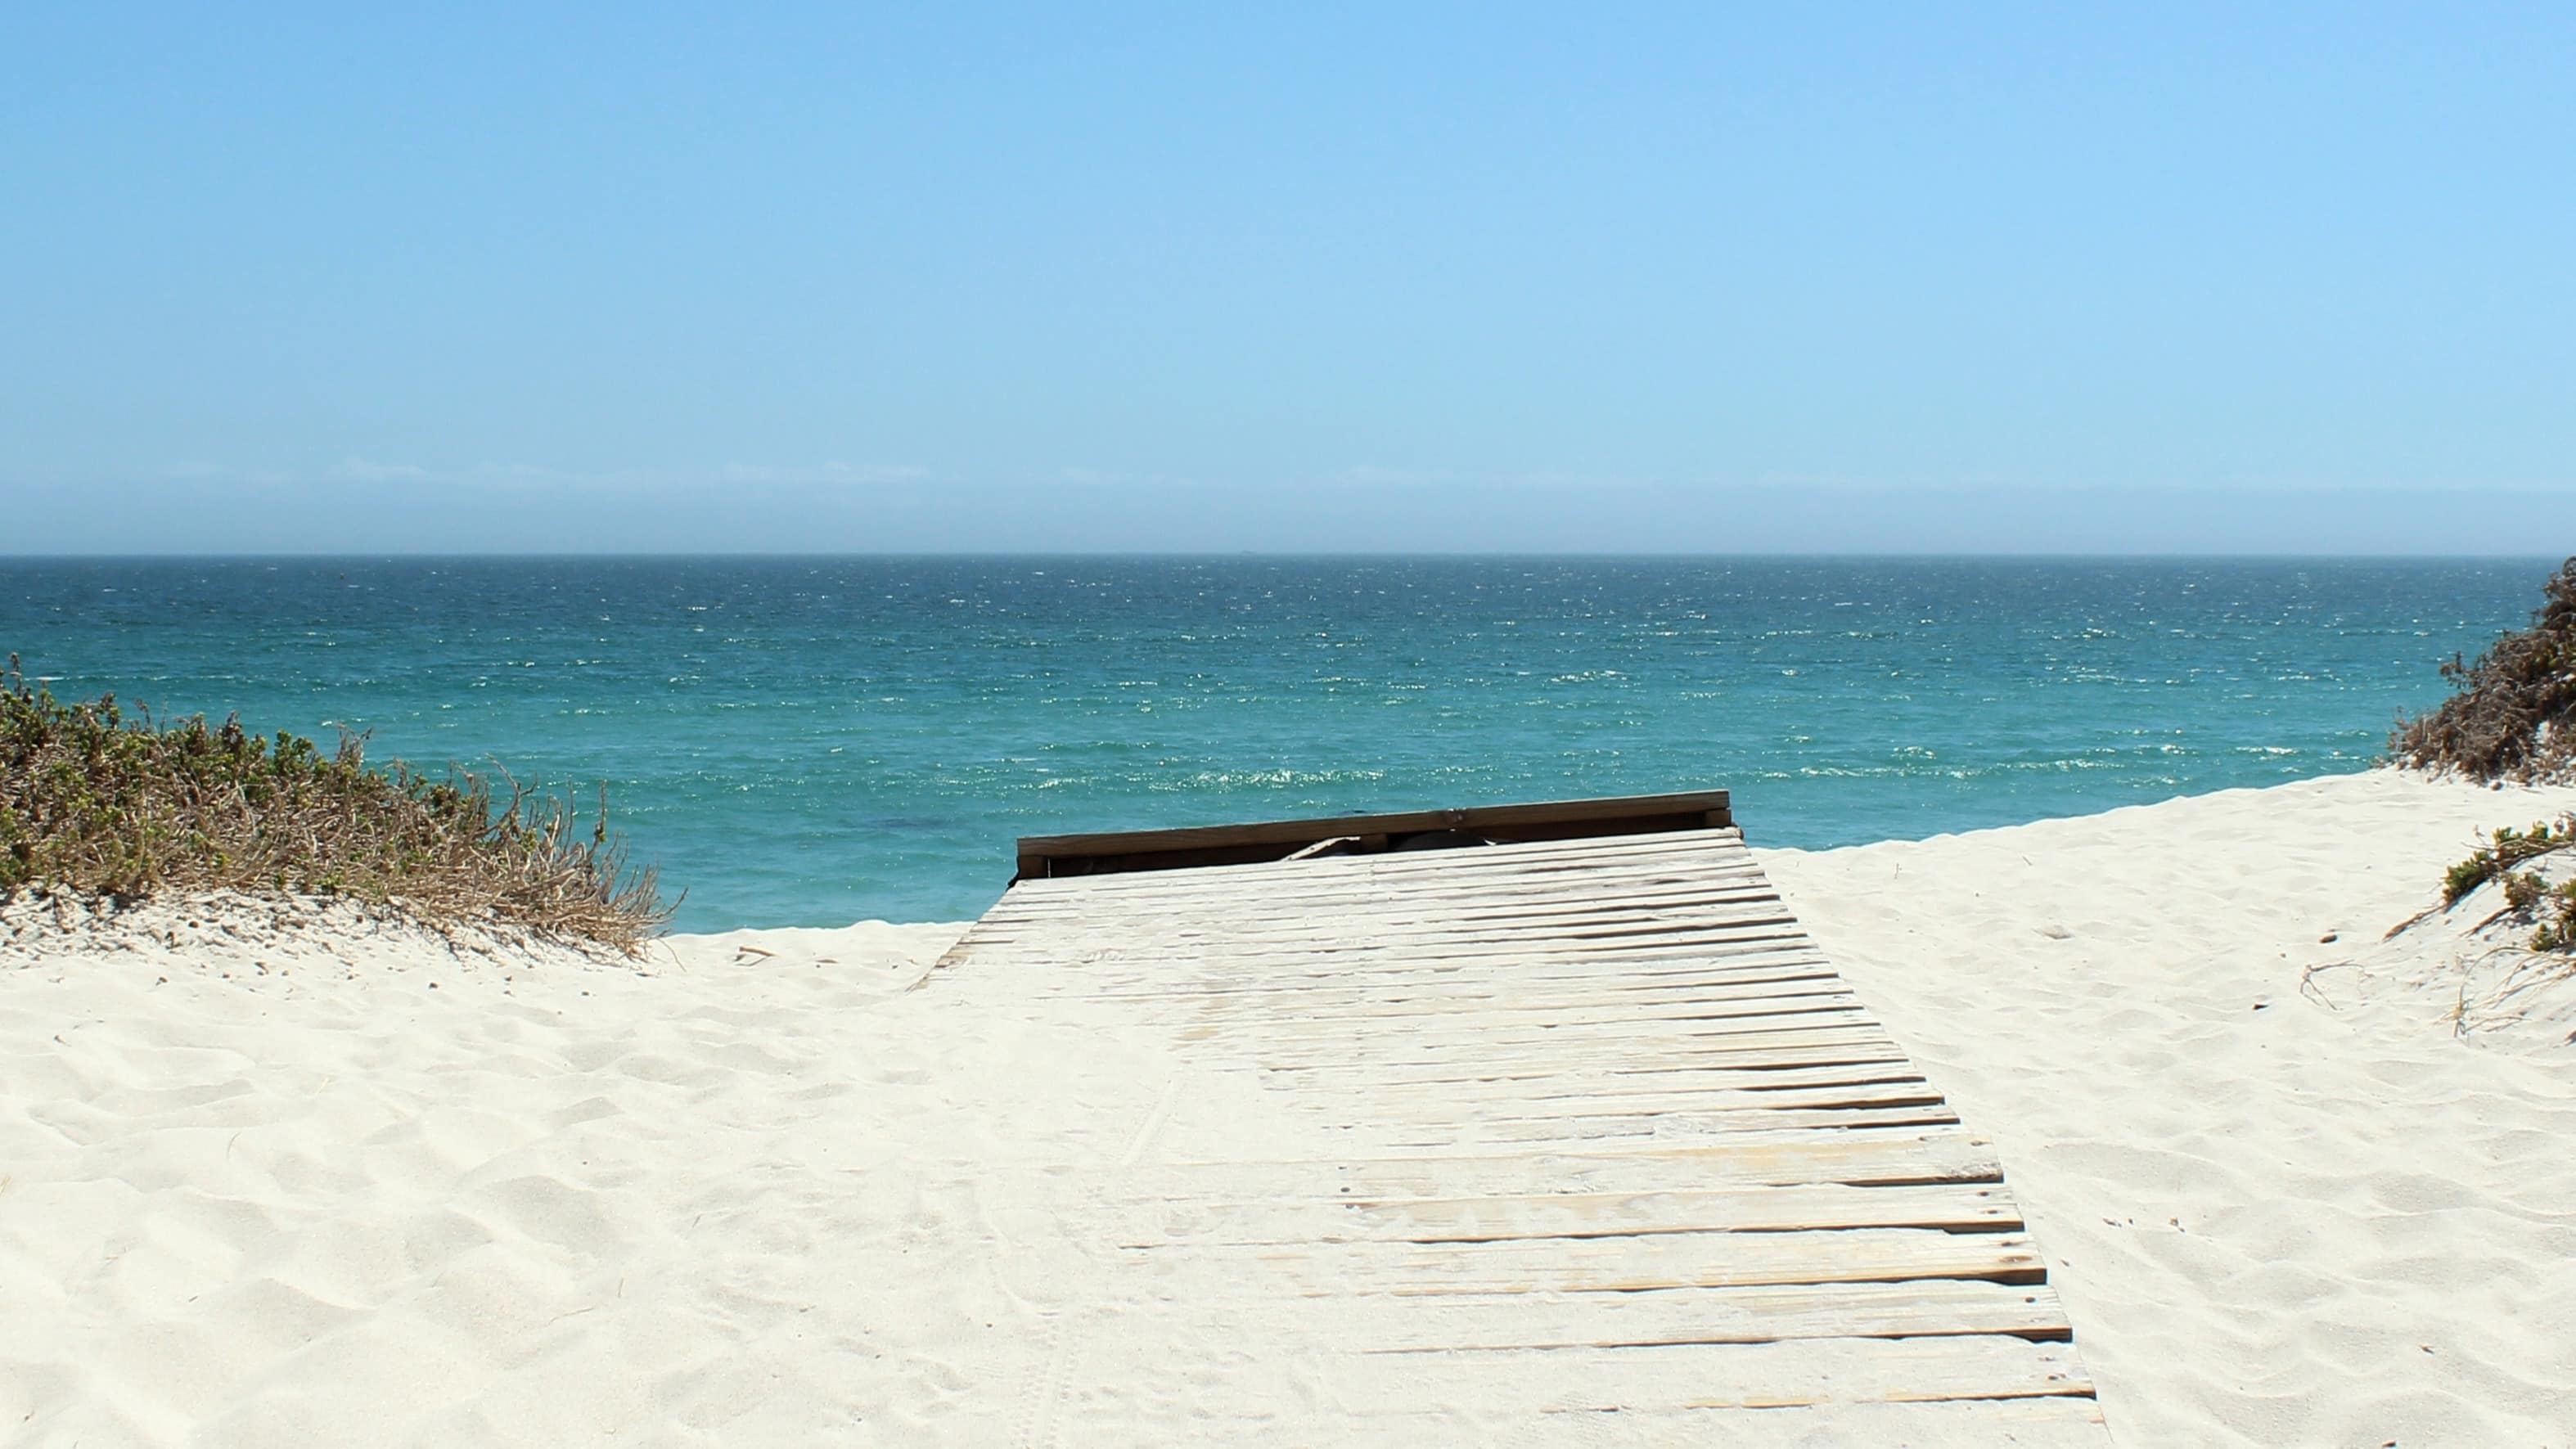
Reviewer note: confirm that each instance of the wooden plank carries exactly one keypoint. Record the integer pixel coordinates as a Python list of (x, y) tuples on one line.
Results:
[(1363, 880), (1763, 1043), (1894, 1089), (1681, 1101), (1644, 879), (1216, 856), (1096, 980), (1442, 985), (1348, 933), (1358, 949), (1664, 1126), (1104, 962), (1499, 896), (1360, 965), (1408, 1003), (1501, 870), (1511, 855), (1308, 831), (1380, 1324), (1292, 1417), (1473, 1081), (1353, 927), (1668, 1021), (1423, 930), (1959, 1208), (1536, 859), (1650, 928), (1784, 1374), (1369, 1014), (1290, 1040), (1536, 920), (1776, 1159), (1766, 1375), (1629, 1265), (1480, 1014), (1649, 1098)]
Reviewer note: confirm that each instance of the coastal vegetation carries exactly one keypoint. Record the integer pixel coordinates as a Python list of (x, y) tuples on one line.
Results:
[(2528, 894), (100, 804), (2511, 719), (2508, 848), (2512, 715)]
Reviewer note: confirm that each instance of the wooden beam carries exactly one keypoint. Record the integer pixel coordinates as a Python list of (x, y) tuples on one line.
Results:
[(1045, 856)]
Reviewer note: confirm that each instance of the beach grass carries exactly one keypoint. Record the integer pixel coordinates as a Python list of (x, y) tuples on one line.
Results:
[(101, 803)]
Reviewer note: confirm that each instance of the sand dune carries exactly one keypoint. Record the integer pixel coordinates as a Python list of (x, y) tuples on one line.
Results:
[(347, 1185)]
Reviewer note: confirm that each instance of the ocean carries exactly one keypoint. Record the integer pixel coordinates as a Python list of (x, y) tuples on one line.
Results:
[(814, 741)]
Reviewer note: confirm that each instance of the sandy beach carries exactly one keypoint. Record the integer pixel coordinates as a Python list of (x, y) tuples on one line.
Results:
[(1055, 727), (329, 1180), (2276, 1216)]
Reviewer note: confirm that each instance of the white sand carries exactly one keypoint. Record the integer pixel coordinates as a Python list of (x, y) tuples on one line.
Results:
[(2272, 1221), (344, 1185)]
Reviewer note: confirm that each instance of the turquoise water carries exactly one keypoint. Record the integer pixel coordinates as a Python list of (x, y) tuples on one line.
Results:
[(816, 741)]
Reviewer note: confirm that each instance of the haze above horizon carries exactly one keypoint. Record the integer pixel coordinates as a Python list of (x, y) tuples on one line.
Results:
[(1449, 280)]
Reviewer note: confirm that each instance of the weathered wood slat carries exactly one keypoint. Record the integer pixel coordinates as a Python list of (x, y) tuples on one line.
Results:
[(1759, 1041), (1055, 936), (1676, 880), (1394, 929), (1501, 902), (1630, 1265), (1592, 988), (1762, 1375), (1098, 983), (1506, 870), (1385, 1324), (1477, 1015), (1647, 1097), (1483, 1218), (1786, 1158), (1575, 899), (1291, 1041), (1357, 962), (1477, 1082), (1663, 1126), (1361, 933), (1112, 967), (1655, 1099), (1106, 1416), (1534, 1090), (1370, 1014)]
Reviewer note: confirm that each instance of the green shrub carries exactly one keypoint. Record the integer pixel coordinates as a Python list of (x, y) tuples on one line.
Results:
[(2513, 714), (2552, 909), (94, 802), (2557, 913), (2510, 848)]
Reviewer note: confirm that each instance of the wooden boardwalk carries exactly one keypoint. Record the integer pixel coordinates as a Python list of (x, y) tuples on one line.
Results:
[(1565, 1141)]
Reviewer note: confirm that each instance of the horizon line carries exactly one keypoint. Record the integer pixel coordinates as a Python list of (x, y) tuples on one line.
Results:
[(2027, 555)]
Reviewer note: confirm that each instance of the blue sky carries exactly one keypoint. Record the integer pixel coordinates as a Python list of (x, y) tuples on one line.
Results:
[(1609, 278)]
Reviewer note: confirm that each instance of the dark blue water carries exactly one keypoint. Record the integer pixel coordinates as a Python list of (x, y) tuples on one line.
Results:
[(815, 741)]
